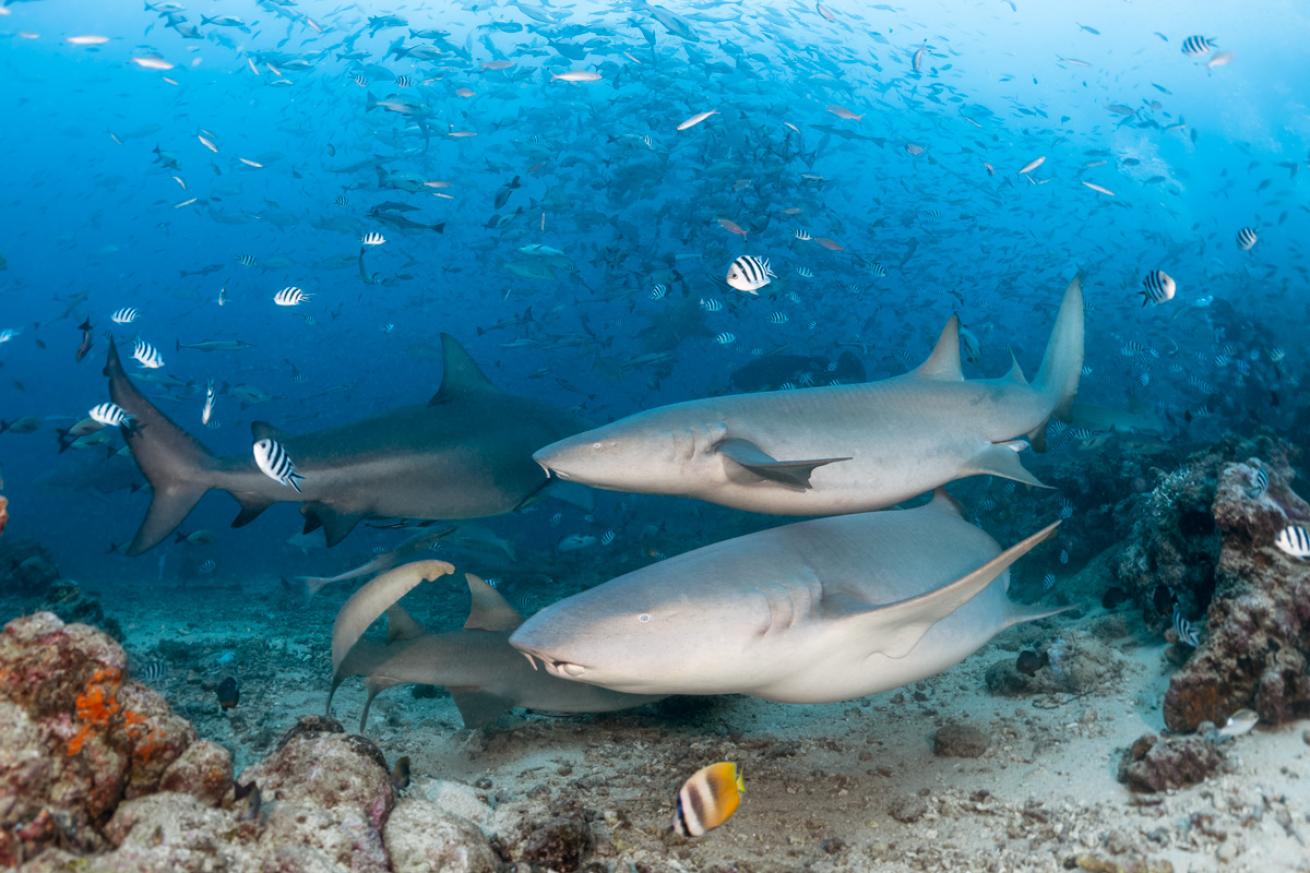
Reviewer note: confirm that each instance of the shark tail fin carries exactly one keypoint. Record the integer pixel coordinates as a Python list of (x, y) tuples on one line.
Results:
[(1062, 365), (180, 470)]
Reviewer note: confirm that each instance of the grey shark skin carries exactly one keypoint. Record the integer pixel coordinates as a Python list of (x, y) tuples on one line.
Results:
[(812, 612), (467, 453), (483, 673), (846, 448)]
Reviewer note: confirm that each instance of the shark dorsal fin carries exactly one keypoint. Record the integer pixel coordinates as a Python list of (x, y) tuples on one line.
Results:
[(944, 502), (401, 625), (487, 609), (262, 430), (1016, 372), (944, 362), (460, 374)]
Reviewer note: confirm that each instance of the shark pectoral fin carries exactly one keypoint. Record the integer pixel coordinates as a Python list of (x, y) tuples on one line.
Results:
[(169, 506), (572, 493), (336, 524), (750, 458), (478, 708), (401, 625), (896, 629), (1000, 459), (487, 609), (944, 502), (944, 362), (1019, 613), (251, 506)]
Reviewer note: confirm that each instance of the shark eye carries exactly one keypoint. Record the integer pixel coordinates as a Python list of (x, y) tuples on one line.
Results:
[(597, 445), (644, 617)]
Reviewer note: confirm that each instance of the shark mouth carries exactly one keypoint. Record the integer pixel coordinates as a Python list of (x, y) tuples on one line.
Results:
[(561, 669)]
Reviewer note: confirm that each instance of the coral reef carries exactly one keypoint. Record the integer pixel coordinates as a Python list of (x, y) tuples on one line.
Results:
[(98, 774), (76, 737), (1257, 642)]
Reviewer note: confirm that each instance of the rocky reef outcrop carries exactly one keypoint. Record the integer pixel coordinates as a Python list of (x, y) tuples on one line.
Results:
[(98, 775), (1256, 646)]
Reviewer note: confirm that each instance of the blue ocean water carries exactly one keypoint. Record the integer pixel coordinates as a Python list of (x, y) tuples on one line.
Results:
[(193, 162)]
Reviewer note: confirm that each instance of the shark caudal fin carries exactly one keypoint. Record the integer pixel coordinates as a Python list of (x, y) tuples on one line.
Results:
[(1062, 365), (179, 469)]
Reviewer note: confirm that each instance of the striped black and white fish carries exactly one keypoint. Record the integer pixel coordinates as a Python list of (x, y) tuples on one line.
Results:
[(361, 80), (247, 260), (274, 462), (113, 415), (373, 238), (1247, 238), (802, 234), (778, 318), (749, 274), (708, 799), (1158, 287), (1185, 631), (878, 271), (726, 338), (658, 292), (805, 272), (290, 296), (151, 672), (147, 355), (1294, 540), (1197, 46), (125, 315), (1259, 484), (711, 304), (607, 537), (403, 81)]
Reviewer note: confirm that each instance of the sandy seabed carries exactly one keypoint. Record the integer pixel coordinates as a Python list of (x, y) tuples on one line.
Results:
[(859, 785)]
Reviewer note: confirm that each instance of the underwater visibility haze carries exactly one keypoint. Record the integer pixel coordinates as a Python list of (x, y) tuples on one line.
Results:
[(804, 435)]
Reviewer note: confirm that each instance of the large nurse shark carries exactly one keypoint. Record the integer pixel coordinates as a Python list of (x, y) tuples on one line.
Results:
[(845, 448), (467, 453), (812, 612)]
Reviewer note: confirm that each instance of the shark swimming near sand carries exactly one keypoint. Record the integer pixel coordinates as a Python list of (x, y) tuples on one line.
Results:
[(812, 612), (485, 676), (837, 449), (467, 453)]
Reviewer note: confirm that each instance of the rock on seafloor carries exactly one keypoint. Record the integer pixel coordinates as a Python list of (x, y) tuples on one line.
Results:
[(1156, 764), (97, 774)]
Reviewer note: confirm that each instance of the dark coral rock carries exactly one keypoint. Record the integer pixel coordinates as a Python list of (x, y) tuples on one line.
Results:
[(204, 770), (955, 740), (330, 799), (74, 606), (1157, 764), (311, 724), (1254, 653), (562, 844), (26, 568)]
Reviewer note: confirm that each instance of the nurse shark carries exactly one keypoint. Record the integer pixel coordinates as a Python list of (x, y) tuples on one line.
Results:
[(837, 449), (812, 612)]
